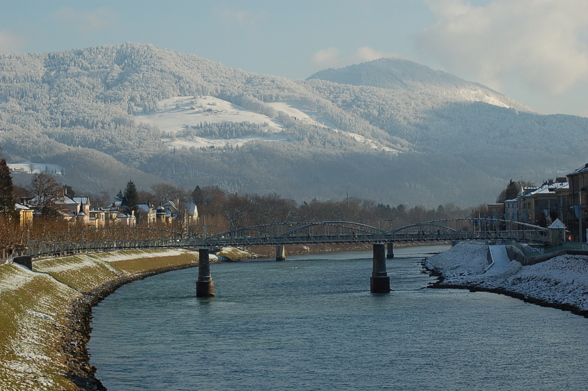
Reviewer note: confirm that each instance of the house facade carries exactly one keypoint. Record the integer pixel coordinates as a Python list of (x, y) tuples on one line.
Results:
[(543, 205), (577, 208)]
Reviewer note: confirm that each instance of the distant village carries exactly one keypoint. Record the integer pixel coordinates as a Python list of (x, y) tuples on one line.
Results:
[(561, 200), (78, 210)]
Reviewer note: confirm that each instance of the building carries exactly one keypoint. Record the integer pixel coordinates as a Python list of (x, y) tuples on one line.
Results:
[(496, 211), (577, 210), (147, 214), (25, 214), (511, 210), (545, 204)]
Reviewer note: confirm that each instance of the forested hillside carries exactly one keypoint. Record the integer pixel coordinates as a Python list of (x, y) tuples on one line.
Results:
[(390, 130)]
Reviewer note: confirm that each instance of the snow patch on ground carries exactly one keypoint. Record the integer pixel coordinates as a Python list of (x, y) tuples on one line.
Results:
[(299, 113), (14, 278), (117, 256), (81, 261), (561, 280), (35, 168), (173, 115), (473, 95)]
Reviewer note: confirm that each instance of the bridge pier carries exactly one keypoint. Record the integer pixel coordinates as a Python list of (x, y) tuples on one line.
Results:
[(204, 284), (280, 253), (390, 253), (379, 282)]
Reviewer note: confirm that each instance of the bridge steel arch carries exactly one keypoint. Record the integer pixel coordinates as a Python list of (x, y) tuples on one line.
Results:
[(345, 232), (307, 233), (282, 234)]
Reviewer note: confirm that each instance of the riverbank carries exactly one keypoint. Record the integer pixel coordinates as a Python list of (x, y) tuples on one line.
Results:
[(561, 282), (45, 313)]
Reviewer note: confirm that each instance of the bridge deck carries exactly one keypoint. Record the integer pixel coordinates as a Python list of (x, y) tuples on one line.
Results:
[(322, 233)]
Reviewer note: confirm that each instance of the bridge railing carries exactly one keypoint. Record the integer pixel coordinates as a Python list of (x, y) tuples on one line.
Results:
[(382, 237), (59, 248), (331, 232)]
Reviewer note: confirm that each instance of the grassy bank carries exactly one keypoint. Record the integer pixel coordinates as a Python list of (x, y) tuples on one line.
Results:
[(44, 313)]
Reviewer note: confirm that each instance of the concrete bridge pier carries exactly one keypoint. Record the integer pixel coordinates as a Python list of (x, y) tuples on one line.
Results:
[(379, 282), (280, 253), (204, 285), (390, 253)]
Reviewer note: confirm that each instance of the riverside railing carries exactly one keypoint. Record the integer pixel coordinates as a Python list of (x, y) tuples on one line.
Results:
[(281, 234)]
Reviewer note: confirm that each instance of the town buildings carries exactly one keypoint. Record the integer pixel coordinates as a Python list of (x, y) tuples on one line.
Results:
[(564, 199), (78, 210)]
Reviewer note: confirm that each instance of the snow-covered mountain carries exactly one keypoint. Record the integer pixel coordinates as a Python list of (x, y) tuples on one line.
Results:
[(389, 130), (400, 74)]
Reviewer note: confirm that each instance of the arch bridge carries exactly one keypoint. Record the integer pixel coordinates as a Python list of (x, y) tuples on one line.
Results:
[(288, 233)]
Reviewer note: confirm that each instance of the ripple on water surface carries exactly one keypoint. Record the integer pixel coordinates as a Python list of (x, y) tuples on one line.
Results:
[(312, 324)]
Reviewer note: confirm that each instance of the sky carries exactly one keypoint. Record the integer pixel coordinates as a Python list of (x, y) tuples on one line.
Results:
[(535, 51)]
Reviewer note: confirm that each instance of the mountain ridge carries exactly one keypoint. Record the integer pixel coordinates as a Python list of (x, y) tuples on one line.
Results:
[(408, 137)]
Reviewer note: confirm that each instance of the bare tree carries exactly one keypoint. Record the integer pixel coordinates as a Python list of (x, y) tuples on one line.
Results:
[(166, 192), (46, 190)]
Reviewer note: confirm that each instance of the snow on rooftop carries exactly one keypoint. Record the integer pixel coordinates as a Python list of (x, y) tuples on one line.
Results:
[(557, 224), (548, 188), (580, 170)]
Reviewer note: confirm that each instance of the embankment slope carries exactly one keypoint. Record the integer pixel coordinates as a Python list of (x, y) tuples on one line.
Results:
[(560, 282), (45, 313)]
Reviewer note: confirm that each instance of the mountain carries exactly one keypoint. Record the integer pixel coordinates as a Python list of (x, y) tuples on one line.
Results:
[(409, 77), (390, 130)]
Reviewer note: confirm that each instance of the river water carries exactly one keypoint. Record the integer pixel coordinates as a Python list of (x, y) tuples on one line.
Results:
[(310, 323)]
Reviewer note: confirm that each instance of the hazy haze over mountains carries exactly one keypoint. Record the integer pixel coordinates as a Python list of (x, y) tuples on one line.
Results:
[(390, 130)]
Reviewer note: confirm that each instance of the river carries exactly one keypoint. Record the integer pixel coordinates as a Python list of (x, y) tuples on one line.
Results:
[(310, 323)]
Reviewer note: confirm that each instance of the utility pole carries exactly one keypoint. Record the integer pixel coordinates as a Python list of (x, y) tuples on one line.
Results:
[(347, 206)]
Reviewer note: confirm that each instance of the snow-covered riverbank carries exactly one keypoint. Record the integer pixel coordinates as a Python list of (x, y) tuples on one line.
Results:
[(560, 282), (45, 312)]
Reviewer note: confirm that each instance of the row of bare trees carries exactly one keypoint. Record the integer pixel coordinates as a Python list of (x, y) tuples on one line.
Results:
[(222, 211)]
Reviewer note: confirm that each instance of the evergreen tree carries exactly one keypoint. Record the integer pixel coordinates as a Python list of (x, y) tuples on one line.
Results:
[(131, 198), (511, 192), (6, 190), (198, 196), (69, 191)]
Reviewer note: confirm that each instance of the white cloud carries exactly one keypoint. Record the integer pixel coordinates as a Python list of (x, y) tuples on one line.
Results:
[(332, 58), (87, 21), (9, 43), (365, 53), (241, 18), (327, 58), (542, 42)]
